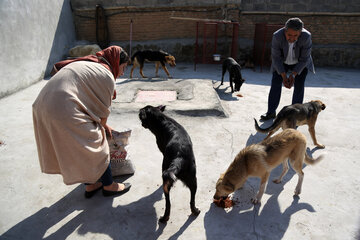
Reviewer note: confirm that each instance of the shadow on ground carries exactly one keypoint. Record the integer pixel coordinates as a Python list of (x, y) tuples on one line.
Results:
[(137, 220)]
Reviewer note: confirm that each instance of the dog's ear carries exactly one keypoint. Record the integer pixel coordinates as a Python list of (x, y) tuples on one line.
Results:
[(320, 104), (170, 58), (220, 179), (228, 187), (323, 106), (161, 108)]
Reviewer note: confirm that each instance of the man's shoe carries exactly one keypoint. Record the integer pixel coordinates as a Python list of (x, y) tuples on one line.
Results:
[(268, 116)]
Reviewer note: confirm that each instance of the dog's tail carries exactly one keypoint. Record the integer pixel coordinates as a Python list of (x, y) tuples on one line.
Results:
[(268, 129), (169, 176), (311, 161), (133, 56)]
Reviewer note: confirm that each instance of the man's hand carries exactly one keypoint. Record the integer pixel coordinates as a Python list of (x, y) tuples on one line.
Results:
[(288, 81), (291, 80)]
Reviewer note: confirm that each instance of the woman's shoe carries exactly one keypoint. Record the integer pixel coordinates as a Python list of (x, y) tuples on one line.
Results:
[(91, 193), (107, 193)]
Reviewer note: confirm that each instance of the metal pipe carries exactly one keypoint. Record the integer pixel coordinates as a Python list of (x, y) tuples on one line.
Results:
[(131, 26), (196, 45), (350, 14)]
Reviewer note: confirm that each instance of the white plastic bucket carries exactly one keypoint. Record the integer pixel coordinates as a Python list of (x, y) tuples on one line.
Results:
[(217, 57)]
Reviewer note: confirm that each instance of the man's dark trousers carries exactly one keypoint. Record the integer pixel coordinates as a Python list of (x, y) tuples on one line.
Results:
[(276, 85)]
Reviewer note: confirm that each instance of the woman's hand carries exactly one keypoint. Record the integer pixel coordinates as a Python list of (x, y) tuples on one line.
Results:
[(108, 129)]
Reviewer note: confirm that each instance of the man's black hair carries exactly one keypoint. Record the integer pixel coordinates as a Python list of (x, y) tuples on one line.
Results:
[(295, 24)]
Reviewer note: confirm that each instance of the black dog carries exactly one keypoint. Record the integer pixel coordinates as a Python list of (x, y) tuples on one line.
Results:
[(176, 147), (159, 57), (234, 70)]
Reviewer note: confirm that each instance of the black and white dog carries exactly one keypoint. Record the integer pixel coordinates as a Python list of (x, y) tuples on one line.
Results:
[(234, 70), (176, 146)]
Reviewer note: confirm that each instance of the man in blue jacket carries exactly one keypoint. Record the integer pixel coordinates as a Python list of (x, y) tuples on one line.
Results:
[(291, 61)]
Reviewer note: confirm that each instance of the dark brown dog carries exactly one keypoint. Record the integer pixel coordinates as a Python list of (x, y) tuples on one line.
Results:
[(176, 146), (296, 115), (159, 57)]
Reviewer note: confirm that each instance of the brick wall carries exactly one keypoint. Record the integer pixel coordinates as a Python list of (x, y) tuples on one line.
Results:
[(148, 24), (329, 31)]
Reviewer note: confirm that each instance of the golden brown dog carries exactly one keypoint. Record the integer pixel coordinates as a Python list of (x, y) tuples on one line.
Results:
[(159, 57), (296, 115), (258, 160)]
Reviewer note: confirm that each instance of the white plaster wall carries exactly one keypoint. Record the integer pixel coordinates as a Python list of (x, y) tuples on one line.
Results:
[(33, 35)]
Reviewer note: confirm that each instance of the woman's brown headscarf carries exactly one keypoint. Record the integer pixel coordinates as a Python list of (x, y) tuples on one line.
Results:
[(109, 58)]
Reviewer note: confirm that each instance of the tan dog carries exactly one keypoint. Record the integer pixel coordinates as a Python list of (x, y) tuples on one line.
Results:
[(84, 50), (159, 57), (258, 160), (296, 115)]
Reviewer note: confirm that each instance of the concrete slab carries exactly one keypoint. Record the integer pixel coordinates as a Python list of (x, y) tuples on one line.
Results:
[(36, 205), (194, 97), (153, 96)]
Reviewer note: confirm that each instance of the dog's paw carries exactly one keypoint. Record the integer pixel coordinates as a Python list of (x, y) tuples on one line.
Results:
[(255, 201), (297, 192), (277, 181), (195, 211), (164, 219)]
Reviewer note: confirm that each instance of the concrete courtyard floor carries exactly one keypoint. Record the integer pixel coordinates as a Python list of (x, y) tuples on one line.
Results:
[(39, 206)]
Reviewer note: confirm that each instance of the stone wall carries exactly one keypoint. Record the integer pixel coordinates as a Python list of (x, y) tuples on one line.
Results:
[(331, 22)]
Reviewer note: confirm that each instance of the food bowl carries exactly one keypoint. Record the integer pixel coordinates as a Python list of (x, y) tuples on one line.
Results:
[(216, 57)]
